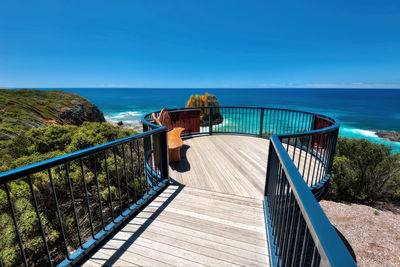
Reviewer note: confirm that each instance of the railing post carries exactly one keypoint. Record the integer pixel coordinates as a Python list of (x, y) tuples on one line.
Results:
[(164, 155), (332, 152), (145, 127), (261, 121), (268, 172), (210, 121)]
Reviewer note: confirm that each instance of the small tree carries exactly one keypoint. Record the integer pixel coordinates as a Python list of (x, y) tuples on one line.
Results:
[(364, 172)]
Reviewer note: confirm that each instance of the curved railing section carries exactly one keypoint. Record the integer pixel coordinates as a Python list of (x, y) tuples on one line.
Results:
[(300, 160), (309, 138)]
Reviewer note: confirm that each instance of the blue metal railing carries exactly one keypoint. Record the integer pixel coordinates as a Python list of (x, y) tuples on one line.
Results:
[(299, 165), (93, 192), (308, 136), (299, 232)]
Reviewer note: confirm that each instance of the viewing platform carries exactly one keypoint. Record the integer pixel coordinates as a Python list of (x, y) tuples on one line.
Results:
[(213, 216), (244, 193)]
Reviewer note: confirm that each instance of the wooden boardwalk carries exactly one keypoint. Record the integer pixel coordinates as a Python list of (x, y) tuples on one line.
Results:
[(186, 226), (212, 216), (233, 164), (224, 163)]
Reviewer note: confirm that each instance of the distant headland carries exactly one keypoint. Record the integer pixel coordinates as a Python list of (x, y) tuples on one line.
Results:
[(390, 135)]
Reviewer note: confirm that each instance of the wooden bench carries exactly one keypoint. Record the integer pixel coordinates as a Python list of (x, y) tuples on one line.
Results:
[(175, 142)]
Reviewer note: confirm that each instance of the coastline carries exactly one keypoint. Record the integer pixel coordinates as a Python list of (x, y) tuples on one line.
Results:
[(133, 122), (389, 135), (136, 126)]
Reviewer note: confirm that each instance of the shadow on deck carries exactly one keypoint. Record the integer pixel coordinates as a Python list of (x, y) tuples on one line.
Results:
[(212, 215)]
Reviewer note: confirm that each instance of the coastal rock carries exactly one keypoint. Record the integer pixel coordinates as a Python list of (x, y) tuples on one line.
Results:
[(392, 136), (23, 109), (80, 112), (206, 100)]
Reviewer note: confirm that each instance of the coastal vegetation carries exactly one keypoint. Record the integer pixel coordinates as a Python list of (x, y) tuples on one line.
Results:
[(45, 143), (39, 125), (365, 172), (21, 110)]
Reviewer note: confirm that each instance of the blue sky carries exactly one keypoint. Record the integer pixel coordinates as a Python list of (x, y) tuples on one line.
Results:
[(200, 43)]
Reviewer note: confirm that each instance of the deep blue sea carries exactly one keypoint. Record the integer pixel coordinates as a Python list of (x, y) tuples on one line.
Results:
[(361, 111)]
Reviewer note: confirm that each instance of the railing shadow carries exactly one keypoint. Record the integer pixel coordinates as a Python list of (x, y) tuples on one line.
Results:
[(176, 188), (347, 244), (183, 165)]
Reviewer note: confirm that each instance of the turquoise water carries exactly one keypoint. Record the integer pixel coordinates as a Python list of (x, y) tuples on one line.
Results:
[(361, 111)]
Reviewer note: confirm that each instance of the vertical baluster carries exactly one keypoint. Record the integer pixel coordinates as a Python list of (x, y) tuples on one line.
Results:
[(279, 202), (73, 204), (108, 184), (98, 192), (285, 214), (139, 168), (118, 181), (301, 150), (285, 121), (275, 190), (58, 213), (310, 155), (292, 227), (210, 117), (298, 237), (323, 156), (294, 150), (42, 231), (87, 197), (273, 130), (304, 249), (316, 155), (289, 122), (327, 154), (11, 204), (302, 121), (283, 232), (126, 175), (314, 257), (133, 171)]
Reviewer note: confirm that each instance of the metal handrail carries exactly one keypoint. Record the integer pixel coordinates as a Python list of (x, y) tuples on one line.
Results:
[(133, 193), (294, 219), (319, 179), (304, 208), (11, 175)]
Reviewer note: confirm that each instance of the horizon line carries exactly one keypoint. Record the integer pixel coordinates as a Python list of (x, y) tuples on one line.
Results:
[(127, 87)]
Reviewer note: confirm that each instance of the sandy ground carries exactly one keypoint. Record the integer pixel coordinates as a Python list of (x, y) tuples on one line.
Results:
[(374, 234)]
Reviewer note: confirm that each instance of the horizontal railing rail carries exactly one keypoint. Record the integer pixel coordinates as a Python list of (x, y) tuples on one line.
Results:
[(63, 208), (300, 234)]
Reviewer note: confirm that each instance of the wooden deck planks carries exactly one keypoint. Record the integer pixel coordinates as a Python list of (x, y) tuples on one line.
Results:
[(234, 164), (179, 230), (224, 163), (214, 217)]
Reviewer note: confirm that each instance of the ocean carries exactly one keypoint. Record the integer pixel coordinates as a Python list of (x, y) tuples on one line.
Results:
[(361, 111)]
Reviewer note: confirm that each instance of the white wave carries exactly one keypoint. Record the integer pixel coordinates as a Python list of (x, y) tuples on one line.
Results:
[(124, 116), (364, 132)]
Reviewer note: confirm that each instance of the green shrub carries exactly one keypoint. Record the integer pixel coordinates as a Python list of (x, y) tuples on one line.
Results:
[(364, 172), (40, 144)]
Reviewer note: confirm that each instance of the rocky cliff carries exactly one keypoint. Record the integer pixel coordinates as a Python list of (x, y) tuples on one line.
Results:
[(206, 100), (392, 136), (23, 109)]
